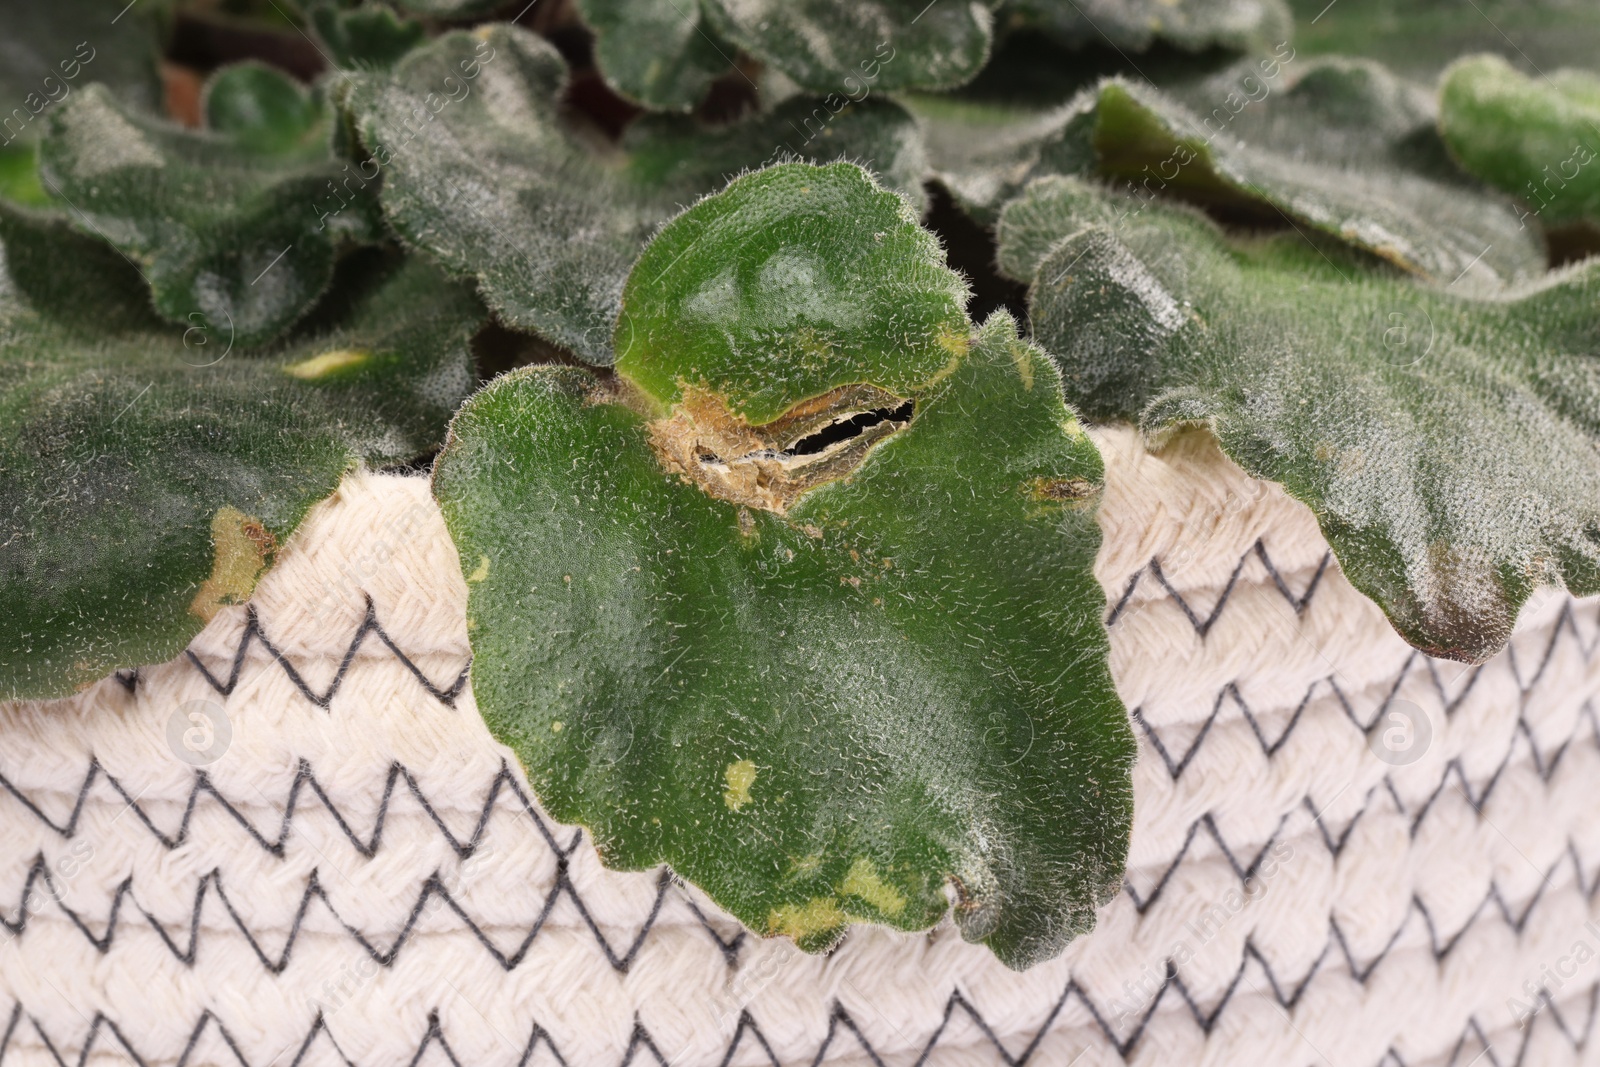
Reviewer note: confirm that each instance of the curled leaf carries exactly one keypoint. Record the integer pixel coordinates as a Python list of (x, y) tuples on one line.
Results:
[(365, 37), (1420, 38), (481, 170), (1536, 138), (52, 51), (1334, 146), (239, 223), (148, 472), (793, 617), (829, 47), (658, 52), (1192, 25), (1446, 443)]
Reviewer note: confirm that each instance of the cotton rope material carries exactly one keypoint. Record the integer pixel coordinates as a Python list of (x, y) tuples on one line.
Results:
[(299, 845)]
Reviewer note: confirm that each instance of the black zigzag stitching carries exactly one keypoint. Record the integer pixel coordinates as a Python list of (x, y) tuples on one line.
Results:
[(641, 1044), (1493, 903), (1202, 626), (433, 887), (1545, 766), (369, 845), (369, 625), (1244, 867), (304, 779), (1566, 624)]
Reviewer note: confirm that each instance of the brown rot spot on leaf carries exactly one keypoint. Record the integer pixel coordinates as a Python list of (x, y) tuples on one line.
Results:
[(772, 465), (1062, 490), (242, 549)]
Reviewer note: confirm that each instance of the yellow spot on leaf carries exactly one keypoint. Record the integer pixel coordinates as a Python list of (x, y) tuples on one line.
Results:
[(955, 342), (741, 775), (241, 549), (803, 866), (1024, 360), (862, 881), (957, 345), (321, 366), (557, 726), (482, 571), (803, 922)]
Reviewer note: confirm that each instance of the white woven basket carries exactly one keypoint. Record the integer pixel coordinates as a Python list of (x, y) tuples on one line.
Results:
[(298, 845)]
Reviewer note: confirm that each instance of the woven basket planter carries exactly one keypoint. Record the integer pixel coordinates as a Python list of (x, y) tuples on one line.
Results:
[(298, 844)]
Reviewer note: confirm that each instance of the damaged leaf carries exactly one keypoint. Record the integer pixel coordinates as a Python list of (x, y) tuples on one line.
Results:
[(1446, 443), (481, 170), (774, 604), (148, 472), (239, 223)]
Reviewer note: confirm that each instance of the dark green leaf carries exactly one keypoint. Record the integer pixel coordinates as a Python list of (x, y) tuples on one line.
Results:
[(821, 684), (657, 52), (1420, 37), (1193, 25), (1537, 138), (367, 37), (486, 175), (51, 50), (147, 471), (984, 151), (1337, 146), (829, 47), (753, 293), (1446, 443), (238, 224), (263, 110), (450, 9)]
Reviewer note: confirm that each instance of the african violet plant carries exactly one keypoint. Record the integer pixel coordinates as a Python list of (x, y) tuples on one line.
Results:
[(778, 534)]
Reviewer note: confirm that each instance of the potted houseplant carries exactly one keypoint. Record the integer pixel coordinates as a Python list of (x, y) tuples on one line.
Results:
[(629, 532)]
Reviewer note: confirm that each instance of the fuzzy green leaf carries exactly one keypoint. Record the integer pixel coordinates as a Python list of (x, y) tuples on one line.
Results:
[(754, 294), (1536, 138), (487, 176), (824, 692), (1192, 25), (1420, 37), (1337, 146), (1446, 443), (51, 51), (986, 140), (239, 224), (147, 471), (657, 52), (368, 37), (985, 151), (450, 9), (829, 47)]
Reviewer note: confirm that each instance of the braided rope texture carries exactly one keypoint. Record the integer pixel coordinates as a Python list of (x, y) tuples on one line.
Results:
[(357, 874)]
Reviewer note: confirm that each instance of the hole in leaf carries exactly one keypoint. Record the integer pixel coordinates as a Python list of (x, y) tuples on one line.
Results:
[(848, 428), (769, 466)]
